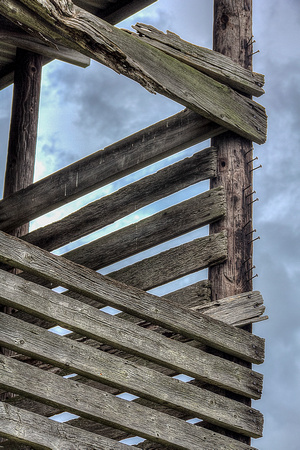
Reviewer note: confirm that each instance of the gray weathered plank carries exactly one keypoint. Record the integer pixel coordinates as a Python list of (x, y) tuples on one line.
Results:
[(110, 208), (214, 64), (90, 362), (136, 59), (173, 263), (115, 161), (96, 405), (29, 428), (72, 276), (127, 336), (156, 229)]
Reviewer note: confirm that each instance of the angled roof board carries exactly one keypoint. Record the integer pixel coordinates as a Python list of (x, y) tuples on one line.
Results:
[(11, 36)]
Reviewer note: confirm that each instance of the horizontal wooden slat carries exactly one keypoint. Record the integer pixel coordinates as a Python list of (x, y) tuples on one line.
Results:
[(156, 229), (119, 333), (136, 59), (94, 404), (110, 208), (72, 276), (117, 160), (90, 362), (30, 428), (214, 64), (174, 263)]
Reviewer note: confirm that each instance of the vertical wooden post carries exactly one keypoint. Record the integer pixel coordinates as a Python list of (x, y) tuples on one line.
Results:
[(232, 37), (23, 136), (23, 127)]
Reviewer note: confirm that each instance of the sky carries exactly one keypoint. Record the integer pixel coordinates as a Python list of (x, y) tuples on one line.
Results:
[(83, 110)]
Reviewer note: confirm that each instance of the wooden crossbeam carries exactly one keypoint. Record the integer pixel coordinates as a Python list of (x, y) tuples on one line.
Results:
[(96, 405), (115, 161), (72, 276), (136, 59), (90, 362)]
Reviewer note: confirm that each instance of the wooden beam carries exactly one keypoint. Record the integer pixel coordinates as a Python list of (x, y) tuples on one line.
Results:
[(23, 130), (234, 161), (212, 63), (96, 405), (72, 276), (129, 199), (153, 69), (29, 428), (115, 161), (90, 362), (232, 36)]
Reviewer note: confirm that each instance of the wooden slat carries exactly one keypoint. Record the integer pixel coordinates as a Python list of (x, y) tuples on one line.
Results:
[(94, 404), (110, 208), (173, 263), (72, 276), (214, 64), (117, 160), (100, 366), (119, 333), (153, 69), (156, 229), (29, 428)]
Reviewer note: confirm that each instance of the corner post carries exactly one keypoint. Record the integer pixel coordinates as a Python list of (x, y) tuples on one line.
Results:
[(22, 138), (232, 36)]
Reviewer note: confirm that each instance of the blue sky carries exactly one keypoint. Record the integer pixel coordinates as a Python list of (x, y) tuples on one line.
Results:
[(83, 110)]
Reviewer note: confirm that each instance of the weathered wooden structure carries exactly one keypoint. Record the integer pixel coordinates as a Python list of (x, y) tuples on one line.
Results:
[(196, 331)]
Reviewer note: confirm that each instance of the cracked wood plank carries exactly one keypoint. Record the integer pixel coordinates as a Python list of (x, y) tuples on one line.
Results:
[(212, 63), (158, 72)]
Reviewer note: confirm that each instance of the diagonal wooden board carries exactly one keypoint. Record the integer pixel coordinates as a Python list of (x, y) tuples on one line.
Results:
[(64, 23)]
